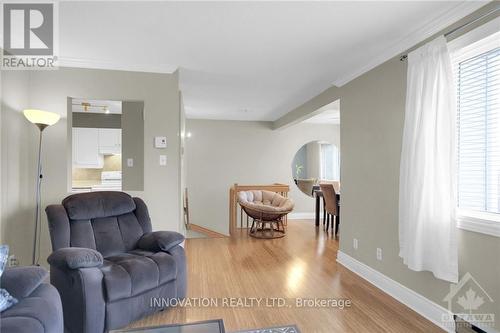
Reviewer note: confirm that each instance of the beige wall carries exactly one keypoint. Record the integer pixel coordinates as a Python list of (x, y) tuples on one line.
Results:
[(314, 160), (372, 112), (96, 120), (221, 153), (132, 124), (372, 125), (182, 161), (49, 90), (17, 166), (1, 197)]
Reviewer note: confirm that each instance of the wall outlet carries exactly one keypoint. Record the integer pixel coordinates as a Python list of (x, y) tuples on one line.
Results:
[(355, 243), (13, 262), (379, 253)]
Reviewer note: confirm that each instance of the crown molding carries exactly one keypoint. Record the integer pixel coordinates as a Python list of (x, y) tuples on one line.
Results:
[(419, 35), (113, 65)]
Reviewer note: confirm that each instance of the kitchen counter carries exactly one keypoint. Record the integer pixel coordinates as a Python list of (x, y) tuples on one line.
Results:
[(85, 183), (79, 186)]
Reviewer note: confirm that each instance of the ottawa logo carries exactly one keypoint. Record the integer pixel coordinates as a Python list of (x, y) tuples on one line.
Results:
[(468, 300)]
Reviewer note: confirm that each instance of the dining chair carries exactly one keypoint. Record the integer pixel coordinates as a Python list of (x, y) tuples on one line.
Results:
[(335, 183), (331, 206)]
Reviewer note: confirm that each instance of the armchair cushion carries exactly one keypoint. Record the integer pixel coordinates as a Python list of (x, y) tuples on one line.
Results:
[(135, 272), (160, 240), (22, 281), (75, 257), (84, 206), (41, 312)]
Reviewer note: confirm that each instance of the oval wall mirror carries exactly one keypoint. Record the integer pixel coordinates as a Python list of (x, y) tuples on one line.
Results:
[(315, 162)]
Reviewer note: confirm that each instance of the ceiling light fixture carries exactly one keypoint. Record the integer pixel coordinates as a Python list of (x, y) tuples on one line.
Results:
[(86, 106)]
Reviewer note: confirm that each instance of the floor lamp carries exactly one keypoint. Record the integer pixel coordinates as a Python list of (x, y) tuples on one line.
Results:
[(42, 119)]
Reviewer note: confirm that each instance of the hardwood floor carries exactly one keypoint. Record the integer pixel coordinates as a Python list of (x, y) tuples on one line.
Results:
[(302, 264)]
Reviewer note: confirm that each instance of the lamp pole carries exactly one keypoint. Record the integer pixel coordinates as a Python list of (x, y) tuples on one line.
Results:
[(42, 119), (38, 195)]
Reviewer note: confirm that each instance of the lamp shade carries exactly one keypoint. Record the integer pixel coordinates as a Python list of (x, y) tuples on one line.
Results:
[(40, 117)]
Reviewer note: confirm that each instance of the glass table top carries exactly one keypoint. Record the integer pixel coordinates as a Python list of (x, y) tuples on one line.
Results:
[(210, 326)]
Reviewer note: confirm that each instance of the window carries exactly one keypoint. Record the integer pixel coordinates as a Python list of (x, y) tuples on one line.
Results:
[(478, 95), (329, 162), (477, 72)]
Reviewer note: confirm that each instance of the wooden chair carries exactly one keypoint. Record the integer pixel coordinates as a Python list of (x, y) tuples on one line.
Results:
[(331, 206), (335, 183)]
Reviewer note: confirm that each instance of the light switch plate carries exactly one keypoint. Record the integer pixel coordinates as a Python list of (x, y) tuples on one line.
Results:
[(160, 142), (163, 160), (379, 253), (130, 162)]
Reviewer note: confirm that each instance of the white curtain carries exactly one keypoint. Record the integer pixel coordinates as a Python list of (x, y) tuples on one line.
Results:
[(427, 196)]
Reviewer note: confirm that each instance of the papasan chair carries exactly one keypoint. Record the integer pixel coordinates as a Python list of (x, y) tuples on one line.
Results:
[(267, 210)]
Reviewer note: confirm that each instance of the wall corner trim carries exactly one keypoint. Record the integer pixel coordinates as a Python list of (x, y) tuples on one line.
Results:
[(418, 303)]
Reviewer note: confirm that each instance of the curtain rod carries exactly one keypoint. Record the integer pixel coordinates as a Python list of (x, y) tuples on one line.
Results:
[(463, 26)]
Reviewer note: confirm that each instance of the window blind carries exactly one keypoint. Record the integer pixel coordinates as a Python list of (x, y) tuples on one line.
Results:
[(478, 102)]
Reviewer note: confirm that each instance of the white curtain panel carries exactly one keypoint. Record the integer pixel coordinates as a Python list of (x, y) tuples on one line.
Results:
[(427, 196)]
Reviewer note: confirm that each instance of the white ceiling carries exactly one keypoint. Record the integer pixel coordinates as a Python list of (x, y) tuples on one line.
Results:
[(248, 60)]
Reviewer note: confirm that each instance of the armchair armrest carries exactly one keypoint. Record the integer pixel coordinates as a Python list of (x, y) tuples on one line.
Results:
[(160, 240), (22, 281), (75, 257)]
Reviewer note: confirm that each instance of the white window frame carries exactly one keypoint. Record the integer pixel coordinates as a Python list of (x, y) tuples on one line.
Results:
[(463, 48)]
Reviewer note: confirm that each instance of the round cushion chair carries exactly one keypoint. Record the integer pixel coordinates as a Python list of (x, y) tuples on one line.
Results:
[(267, 210)]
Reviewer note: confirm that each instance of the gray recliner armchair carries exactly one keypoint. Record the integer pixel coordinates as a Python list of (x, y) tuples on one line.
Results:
[(108, 264), (39, 306)]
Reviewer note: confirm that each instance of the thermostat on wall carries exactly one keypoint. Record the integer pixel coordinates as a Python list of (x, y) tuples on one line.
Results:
[(160, 142)]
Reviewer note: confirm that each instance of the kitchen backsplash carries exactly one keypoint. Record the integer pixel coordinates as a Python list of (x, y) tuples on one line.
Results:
[(111, 163)]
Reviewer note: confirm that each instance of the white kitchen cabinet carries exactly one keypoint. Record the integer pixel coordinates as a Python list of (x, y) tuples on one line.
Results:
[(110, 141), (86, 148)]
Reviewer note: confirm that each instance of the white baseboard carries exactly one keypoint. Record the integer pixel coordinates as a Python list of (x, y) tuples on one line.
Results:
[(301, 216), (418, 303)]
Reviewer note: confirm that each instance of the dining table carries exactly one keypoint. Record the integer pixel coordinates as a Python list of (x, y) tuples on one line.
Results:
[(318, 195)]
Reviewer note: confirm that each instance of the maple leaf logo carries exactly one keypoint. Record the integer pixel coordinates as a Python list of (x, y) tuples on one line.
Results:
[(470, 301)]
